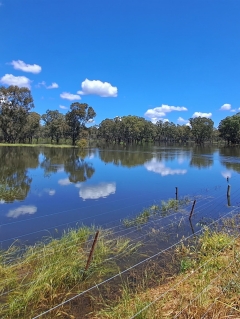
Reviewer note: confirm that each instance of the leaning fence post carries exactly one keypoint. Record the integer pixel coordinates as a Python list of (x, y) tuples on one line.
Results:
[(190, 221), (91, 251), (190, 216), (176, 193)]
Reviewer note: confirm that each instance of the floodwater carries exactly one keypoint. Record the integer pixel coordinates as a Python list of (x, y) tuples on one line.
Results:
[(44, 190)]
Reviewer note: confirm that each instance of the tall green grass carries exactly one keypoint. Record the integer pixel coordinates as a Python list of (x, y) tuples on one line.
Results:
[(207, 278), (48, 273)]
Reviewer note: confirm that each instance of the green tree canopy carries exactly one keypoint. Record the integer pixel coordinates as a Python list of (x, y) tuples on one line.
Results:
[(80, 114), (55, 124), (229, 128), (201, 129), (15, 104)]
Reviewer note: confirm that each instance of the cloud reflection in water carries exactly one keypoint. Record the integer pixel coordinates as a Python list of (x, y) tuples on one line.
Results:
[(22, 210), (97, 191), (159, 167), (64, 181)]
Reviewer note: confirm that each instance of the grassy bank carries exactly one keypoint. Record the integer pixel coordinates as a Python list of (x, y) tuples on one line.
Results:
[(47, 274), (200, 279), (195, 277), (37, 145)]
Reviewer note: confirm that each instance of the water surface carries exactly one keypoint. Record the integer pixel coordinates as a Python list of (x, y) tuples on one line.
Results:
[(46, 190)]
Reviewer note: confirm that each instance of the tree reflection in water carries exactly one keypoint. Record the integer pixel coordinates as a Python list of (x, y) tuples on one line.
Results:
[(71, 160), (14, 180)]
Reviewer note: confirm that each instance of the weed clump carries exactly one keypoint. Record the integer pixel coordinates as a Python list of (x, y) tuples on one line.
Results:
[(164, 209)]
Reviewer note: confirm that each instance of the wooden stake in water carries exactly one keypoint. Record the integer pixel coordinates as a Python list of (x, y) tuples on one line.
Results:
[(92, 251), (228, 190), (229, 201), (191, 226), (190, 216), (176, 193)]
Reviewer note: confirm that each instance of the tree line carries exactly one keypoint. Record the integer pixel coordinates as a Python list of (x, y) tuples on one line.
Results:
[(19, 124)]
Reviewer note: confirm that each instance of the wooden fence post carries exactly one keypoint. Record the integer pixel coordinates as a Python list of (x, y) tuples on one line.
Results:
[(190, 216), (190, 221), (92, 251), (228, 190), (176, 193)]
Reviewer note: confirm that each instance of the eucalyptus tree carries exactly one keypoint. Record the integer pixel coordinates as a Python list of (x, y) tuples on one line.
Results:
[(55, 124), (229, 129), (93, 132), (15, 104), (77, 117), (169, 132), (201, 129), (158, 130), (183, 133), (32, 127), (107, 130)]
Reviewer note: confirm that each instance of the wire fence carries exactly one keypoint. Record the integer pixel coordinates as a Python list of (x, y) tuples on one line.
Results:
[(176, 219), (127, 270), (133, 229)]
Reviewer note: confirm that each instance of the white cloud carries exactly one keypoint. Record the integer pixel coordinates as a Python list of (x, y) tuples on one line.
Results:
[(159, 112), (233, 110), (2, 201), (225, 107), (54, 85), (63, 107), (70, 96), (96, 87), (226, 174), (181, 159), (49, 191), (64, 182), (20, 65), (91, 156), (197, 114), (159, 167), (97, 191), (52, 192), (181, 120), (60, 169), (43, 83), (155, 119), (20, 81), (22, 210)]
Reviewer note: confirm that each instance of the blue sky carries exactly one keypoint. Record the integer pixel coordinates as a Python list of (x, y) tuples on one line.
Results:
[(162, 59)]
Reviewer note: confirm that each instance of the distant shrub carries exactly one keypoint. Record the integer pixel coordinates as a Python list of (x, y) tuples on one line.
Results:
[(83, 143)]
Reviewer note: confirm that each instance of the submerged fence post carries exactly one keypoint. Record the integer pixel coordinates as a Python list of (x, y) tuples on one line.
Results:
[(229, 201), (176, 193), (228, 195), (92, 251), (228, 190), (190, 216), (190, 221)]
